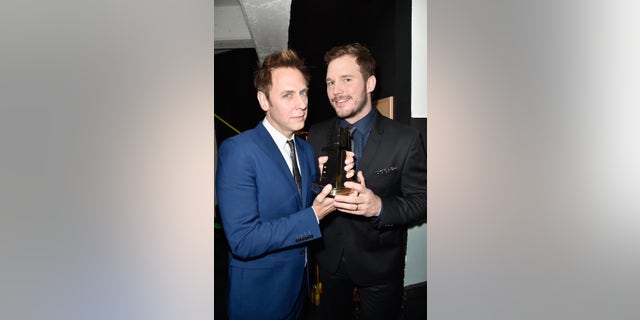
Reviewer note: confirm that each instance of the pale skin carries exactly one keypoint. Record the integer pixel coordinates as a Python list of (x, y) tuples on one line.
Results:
[(286, 110), (350, 95)]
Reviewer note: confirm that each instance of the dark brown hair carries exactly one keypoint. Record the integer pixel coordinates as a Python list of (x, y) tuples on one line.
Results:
[(286, 58), (362, 54)]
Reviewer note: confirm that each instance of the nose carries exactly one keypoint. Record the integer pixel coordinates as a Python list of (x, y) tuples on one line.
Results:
[(336, 88), (303, 101)]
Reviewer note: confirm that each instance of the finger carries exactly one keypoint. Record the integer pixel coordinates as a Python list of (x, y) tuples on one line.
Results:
[(324, 193), (359, 185), (348, 167), (351, 198), (321, 161), (326, 190), (349, 159), (344, 206), (349, 170), (354, 186), (347, 207)]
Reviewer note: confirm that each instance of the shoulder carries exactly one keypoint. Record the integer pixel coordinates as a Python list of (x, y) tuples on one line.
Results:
[(319, 132), (240, 138), (323, 126), (384, 124), (302, 144), (242, 142)]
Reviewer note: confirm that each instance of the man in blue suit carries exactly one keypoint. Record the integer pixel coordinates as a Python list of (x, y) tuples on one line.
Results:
[(266, 215)]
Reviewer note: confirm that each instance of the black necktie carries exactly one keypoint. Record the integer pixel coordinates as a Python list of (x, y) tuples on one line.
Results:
[(355, 147), (294, 165)]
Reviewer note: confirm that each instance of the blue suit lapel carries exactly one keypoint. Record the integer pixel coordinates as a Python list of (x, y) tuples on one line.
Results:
[(266, 143), (303, 159)]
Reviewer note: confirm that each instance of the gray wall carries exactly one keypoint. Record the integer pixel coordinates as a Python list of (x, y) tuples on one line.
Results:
[(533, 160), (416, 269), (106, 166)]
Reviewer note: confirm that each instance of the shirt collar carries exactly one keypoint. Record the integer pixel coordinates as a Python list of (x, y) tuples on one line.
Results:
[(363, 125), (277, 137)]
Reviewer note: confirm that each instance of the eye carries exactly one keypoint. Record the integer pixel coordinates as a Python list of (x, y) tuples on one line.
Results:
[(287, 95), (330, 83), (304, 93), (347, 79)]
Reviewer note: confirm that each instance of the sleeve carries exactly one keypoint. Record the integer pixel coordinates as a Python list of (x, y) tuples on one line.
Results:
[(410, 206)]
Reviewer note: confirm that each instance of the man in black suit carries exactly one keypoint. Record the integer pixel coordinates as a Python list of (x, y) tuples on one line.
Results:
[(364, 245)]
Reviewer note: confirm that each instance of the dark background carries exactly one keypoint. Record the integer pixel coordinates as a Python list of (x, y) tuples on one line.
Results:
[(315, 26)]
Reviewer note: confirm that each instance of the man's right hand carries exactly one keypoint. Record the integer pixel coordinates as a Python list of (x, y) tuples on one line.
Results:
[(322, 204)]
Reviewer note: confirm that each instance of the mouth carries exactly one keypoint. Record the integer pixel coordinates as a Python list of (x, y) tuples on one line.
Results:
[(340, 100)]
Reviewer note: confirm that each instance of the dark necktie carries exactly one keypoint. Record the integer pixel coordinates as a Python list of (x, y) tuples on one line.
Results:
[(355, 144), (294, 165)]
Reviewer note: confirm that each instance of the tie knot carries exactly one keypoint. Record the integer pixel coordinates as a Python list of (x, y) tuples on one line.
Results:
[(292, 145)]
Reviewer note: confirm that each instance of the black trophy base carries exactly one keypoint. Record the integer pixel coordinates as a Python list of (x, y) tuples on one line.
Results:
[(317, 188)]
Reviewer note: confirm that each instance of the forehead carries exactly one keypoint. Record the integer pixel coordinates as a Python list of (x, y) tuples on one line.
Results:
[(345, 65), (284, 79)]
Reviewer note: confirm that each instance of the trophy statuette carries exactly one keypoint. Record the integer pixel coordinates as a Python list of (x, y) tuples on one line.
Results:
[(333, 171)]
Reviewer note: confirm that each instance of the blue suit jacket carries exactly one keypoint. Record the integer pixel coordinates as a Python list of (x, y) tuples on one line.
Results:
[(266, 223)]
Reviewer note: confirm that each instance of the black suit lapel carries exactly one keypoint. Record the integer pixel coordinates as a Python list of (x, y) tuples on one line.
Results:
[(372, 145)]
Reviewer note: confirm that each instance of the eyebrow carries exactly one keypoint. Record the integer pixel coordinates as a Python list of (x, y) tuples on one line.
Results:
[(348, 75), (294, 91)]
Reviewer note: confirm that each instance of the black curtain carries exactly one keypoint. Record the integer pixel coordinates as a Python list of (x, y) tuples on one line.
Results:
[(316, 26)]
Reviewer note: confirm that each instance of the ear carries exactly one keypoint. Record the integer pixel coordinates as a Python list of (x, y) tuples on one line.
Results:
[(371, 83), (264, 102)]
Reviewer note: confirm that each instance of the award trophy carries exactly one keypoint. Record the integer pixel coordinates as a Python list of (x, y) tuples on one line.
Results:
[(333, 172)]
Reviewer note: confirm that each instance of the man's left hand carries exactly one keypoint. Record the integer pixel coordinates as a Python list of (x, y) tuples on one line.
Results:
[(361, 201)]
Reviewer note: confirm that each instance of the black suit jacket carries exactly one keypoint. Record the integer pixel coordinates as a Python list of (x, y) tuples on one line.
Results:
[(394, 165)]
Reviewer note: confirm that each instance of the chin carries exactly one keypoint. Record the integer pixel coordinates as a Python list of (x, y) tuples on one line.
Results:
[(344, 115)]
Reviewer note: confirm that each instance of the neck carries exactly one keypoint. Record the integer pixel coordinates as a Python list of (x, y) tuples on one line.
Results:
[(363, 113), (287, 134)]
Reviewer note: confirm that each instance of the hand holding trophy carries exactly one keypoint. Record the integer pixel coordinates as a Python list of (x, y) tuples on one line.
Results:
[(338, 168)]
